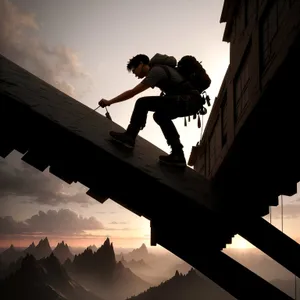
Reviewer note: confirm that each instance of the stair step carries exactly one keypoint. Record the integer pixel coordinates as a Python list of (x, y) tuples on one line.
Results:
[(5, 149), (35, 157)]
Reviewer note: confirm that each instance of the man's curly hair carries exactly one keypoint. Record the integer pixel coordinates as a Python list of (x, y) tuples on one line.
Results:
[(136, 60)]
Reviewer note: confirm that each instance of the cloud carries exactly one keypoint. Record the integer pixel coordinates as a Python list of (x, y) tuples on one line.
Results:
[(26, 181), (119, 229), (63, 221), (92, 239), (20, 42), (117, 223)]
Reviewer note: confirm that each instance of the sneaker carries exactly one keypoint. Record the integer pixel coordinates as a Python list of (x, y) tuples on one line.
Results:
[(123, 138), (174, 159)]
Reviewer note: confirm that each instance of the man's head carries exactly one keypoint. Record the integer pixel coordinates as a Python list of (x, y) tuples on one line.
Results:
[(139, 65)]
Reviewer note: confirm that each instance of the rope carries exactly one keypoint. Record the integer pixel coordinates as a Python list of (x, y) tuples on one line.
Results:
[(281, 213), (295, 287), (201, 134), (202, 128)]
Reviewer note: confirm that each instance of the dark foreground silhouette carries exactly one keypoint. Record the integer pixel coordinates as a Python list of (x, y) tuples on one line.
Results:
[(44, 279), (191, 286)]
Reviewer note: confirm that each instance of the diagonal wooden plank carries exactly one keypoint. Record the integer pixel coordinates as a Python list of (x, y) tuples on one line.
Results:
[(16, 84), (233, 277), (271, 241), (76, 146)]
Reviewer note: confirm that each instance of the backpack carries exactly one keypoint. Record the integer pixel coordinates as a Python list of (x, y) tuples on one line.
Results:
[(163, 59), (188, 67), (194, 73)]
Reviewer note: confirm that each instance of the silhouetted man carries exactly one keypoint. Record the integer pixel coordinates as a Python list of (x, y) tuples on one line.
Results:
[(179, 100)]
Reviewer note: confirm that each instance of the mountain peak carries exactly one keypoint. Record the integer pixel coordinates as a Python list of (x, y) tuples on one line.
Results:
[(52, 264), (11, 249), (120, 266), (29, 259), (31, 269), (31, 246), (144, 248), (107, 241), (107, 248), (52, 257), (30, 249), (62, 245), (93, 248), (43, 249), (44, 241), (10, 255), (100, 263), (62, 252), (138, 253), (107, 245)]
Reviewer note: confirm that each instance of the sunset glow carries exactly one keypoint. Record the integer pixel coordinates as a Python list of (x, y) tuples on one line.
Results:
[(240, 243), (88, 63)]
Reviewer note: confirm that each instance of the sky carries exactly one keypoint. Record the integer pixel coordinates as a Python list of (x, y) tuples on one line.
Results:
[(82, 48)]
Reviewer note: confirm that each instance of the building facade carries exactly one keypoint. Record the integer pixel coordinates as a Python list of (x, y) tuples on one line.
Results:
[(260, 33)]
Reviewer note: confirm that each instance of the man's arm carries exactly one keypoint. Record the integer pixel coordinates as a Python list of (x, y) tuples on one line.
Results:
[(130, 93)]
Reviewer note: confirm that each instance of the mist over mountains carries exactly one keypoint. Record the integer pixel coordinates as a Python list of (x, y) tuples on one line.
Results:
[(191, 286), (94, 273), (98, 273), (42, 279), (41, 250)]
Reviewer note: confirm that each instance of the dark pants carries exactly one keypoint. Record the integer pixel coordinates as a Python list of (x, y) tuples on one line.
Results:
[(165, 109)]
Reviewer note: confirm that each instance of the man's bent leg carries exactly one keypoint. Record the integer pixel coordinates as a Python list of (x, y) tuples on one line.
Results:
[(168, 128), (138, 120), (170, 132)]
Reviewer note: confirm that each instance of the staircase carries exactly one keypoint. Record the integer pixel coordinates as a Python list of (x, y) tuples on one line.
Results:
[(76, 148)]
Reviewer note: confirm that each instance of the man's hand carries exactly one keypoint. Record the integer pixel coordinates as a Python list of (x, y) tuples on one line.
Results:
[(103, 103), (124, 96)]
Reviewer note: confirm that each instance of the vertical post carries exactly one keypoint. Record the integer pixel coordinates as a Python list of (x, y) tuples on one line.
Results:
[(281, 213)]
